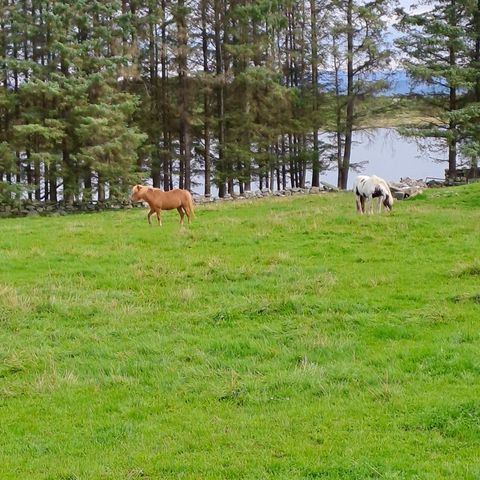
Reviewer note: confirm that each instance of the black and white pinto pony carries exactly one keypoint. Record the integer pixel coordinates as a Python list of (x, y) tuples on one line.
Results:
[(369, 187)]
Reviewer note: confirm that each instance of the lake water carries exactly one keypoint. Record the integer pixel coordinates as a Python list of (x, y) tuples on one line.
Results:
[(391, 156), (386, 154)]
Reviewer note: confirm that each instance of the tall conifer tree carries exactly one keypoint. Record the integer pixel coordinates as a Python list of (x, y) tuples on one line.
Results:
[(436, 52)]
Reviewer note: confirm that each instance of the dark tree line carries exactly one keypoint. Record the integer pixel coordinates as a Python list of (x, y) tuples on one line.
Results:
[(96, 95)]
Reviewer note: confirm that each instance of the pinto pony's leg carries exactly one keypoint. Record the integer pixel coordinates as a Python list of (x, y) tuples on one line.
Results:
[(150, 213), (362, 204), (370, 206), (159, 218), (182, 214), (358, 202)]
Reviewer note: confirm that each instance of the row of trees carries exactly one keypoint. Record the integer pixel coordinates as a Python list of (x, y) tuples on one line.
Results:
[(98, 94)]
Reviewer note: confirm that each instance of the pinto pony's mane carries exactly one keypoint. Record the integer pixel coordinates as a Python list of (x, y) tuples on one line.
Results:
[(366, 188)]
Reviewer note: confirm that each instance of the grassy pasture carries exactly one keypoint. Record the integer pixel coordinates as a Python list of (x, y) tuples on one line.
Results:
[(276, 339)]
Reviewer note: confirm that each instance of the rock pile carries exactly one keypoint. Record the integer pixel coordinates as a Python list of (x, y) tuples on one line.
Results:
[(406, 188)]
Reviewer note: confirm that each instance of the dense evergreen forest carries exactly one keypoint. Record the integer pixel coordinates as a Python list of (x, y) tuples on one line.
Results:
[(96, 94)]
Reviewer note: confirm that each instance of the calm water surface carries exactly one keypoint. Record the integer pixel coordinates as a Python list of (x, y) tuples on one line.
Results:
[(391, 156), (385, 153)]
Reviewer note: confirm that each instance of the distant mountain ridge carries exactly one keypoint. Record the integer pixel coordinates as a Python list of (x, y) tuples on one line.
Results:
[(400, 83)]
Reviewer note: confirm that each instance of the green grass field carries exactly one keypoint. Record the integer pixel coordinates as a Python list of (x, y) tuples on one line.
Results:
[(274, 339)]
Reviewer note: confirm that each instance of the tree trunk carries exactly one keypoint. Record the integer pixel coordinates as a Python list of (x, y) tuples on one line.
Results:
[(166, 143), (68, 176), (184, 116), (452, 141), (345, 166), (452, 105), (219, 61), (476, 57), (206, 104), (155, 106), (53, 183), (37, 180), (87, 181), (101, 189)]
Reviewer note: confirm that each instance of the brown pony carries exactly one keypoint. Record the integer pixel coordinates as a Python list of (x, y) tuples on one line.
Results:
[(159, 200)]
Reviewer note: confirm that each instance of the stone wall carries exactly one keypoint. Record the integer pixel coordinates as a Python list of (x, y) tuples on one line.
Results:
[(401, 190), (31, 208), (462, 176), (265, 192)]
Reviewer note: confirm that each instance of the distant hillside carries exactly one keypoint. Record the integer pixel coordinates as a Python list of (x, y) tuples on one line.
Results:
[(400, 83)]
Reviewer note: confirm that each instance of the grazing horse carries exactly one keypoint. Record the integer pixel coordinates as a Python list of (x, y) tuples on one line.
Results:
[(368, 188), (159, 200)]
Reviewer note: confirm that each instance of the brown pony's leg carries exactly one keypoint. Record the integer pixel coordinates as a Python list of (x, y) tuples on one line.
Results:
[(150, 213), (188, 212), (182, 213), (159, 219)]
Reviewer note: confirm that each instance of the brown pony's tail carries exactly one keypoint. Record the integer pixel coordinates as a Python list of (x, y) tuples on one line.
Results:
[(190, 205)]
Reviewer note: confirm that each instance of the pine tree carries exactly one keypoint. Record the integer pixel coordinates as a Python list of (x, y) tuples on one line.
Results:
[(108, 143), (467, 118), (436, 53), (358, 47), (69, 84)]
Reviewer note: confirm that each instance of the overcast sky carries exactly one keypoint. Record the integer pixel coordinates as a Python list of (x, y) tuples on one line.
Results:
[(406, 4)]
